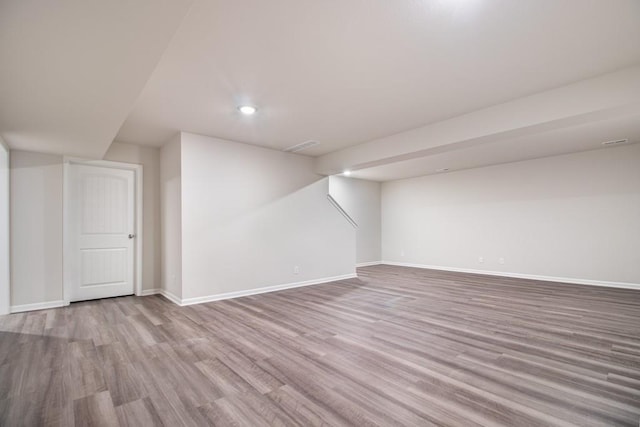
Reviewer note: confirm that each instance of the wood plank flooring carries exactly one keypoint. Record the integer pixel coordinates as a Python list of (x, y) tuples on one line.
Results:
[(398, 346)]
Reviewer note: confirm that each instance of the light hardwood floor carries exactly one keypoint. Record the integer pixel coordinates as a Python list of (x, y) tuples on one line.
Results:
[(398, 346)]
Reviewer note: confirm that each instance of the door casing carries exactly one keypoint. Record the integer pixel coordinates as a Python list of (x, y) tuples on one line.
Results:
[(67, 251)]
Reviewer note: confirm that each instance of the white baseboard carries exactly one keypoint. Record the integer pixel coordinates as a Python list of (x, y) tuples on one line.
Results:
[(256, 291), (147, 292), (572, 280), (367, 264), (171, 297), (36, 306), (198, 300), (168, 295)]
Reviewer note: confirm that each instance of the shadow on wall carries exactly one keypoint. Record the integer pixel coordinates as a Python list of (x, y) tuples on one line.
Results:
[(33, 160), (576, 175), (36, 227), (294, 238)]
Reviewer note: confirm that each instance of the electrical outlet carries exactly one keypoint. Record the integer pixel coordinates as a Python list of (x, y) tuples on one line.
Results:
[(402, 252), (296, 269), (501, 260), (480, 259)]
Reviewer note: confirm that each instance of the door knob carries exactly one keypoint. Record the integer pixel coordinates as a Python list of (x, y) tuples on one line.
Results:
[(131, 236)]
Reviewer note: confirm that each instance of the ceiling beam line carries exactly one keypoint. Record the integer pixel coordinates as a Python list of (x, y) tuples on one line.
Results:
[(611, 95)]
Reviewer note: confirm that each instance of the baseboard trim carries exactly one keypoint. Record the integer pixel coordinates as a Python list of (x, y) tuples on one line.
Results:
[(255, 291), (36, 306), (168, 295), (147, 292), (171, 297), (368, 264), (571, 280)]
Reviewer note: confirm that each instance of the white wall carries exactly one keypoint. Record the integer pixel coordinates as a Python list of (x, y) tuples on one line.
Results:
[(5, 302), (149, 158), (36, 228), (361, 200), (36, 221), (250, 214), (171, 217), (573, 216)]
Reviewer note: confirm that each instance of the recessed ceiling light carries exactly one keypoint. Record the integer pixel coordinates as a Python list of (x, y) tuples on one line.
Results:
[(442, 170), (247, 109), (346, 173)]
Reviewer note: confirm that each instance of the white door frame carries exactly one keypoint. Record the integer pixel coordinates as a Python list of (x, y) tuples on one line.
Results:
[(66, 226), (5, 263)]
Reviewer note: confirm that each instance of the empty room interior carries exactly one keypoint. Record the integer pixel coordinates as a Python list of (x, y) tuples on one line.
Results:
[(320, 213)]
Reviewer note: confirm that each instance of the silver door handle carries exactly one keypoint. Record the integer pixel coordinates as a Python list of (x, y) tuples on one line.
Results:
[(131, 236)]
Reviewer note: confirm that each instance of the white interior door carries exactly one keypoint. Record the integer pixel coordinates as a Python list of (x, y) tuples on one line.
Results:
[(101, 209)]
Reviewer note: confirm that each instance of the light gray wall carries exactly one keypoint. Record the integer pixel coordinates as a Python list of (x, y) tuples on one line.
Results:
[(149, 158), (36, 228), (5, 248), (171, 217), (250, 214), (36, 221), (361, 200), (573, 216)]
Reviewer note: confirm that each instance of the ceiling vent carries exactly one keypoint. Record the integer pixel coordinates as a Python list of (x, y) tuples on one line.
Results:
[(301, 146), (616, 142)]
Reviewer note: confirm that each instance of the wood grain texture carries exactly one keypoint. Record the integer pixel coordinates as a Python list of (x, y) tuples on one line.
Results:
[(397, 346)]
